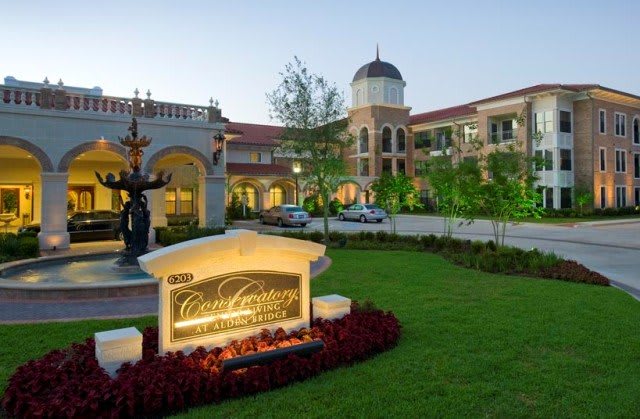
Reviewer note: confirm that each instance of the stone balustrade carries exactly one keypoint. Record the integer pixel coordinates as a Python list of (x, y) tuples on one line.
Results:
[(59, 99)]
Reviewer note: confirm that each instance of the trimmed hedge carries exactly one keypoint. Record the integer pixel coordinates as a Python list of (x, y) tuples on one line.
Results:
[(167, 236), (22, 246), (70, 383)]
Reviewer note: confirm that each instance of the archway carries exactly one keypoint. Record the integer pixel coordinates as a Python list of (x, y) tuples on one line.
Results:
[(97, 145), (20, 181)]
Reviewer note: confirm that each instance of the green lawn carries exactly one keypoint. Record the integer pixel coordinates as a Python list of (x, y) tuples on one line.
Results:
[(473, 344)]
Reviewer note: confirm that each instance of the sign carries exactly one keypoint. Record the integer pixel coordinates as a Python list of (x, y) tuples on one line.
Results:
[(220, 288), (234, 301)]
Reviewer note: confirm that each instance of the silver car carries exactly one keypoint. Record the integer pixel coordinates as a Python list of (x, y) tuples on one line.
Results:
[(285, 215), (362, 213)]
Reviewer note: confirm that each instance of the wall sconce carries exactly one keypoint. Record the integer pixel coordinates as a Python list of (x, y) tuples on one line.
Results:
[(27, 192), (218, 142)]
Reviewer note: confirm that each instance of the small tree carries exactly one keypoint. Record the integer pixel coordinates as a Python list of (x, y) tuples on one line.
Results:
[(394, 193), (583, 197), (508, 192), (315, 132), (456, 187)]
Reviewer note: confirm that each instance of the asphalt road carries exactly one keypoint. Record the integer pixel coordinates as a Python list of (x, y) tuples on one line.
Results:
[(609, 247)]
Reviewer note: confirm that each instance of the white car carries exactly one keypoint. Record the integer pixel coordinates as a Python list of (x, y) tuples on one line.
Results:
[(285, 215), (362, 213)]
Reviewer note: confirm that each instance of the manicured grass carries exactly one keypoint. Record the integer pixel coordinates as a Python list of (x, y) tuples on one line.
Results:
[(473, 344)]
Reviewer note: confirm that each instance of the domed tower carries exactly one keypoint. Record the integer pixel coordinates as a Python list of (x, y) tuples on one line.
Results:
[(376, 83), (378, 120)]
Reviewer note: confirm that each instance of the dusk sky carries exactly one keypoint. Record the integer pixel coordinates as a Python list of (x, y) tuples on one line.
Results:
[(449, 52)]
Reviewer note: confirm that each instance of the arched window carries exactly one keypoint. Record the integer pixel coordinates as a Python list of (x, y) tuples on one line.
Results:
[(359, 98), (393, 96), (636, 131), (402, 146), (386, 140), (363, 141), (278, 195), (246, 192)]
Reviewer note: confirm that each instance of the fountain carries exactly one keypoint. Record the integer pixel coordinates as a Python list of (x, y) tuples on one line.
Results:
[(134, 211)]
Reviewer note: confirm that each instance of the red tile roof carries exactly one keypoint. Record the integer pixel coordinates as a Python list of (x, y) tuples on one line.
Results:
[(258, 169), (253, 134), (440, 114), (539, 88)]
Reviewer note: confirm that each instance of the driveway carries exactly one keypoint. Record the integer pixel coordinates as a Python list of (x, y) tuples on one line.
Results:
[(609, 247)]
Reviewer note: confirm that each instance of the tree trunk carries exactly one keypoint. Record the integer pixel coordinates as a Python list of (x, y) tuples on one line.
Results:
[(325, 214)]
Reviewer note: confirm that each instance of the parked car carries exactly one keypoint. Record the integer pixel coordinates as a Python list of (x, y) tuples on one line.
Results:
[(362, 213), (285, 215), (88, 225)]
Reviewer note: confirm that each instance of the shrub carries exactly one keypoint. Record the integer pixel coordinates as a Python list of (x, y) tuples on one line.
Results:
[(313, 205), (70, 383), (477, 247), (172, 235), (181, 220), (335, 206), (28, 247)]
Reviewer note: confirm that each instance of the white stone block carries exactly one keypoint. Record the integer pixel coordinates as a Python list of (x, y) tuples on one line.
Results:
[(115, 347), (331, 307)]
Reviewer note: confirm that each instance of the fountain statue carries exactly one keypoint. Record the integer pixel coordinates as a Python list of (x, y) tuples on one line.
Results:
[(134, 211)]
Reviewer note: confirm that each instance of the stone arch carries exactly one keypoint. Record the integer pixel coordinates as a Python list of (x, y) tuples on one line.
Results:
[(341, 193), (45, 162), (259, 185), (97, 145), (286, 181), (204, 163)]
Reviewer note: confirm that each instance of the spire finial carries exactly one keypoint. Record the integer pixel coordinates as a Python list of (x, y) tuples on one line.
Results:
[(377, 52)]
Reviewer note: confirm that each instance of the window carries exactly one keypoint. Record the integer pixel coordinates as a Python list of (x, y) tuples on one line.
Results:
[(387, 165), (386, 140), (402, 143), (636, 165), (565, 122), (548, 159), (424, 197), (603, 196), (548, 198), (636, 131), (603, 121), (621, 196), (544, 121), (359, 100), (470, 133), (363, 167), (636, 196), (565, 159), (393, 96), (402, 166), (363, 141), (186, 201), (565, 197), (603, 159), (170, 201), (539, 160), (620, 122), (621, 161), (507, 130), (420, 167), (255, 157), (278, 195), (442, 142), (493, 137), (422, 140)]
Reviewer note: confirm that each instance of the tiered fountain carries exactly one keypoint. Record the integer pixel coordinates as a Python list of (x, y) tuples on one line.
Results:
[(134, 212)]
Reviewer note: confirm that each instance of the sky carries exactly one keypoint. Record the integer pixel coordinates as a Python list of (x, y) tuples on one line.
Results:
[(449, 52)]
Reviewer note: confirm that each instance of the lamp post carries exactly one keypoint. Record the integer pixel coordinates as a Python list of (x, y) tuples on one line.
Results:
[(296, 171)]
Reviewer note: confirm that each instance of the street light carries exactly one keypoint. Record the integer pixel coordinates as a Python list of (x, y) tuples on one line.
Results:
[(297, 168)]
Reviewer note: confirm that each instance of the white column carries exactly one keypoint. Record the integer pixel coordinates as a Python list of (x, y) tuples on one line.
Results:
[(158, 207), (53, 226), (211, 200)]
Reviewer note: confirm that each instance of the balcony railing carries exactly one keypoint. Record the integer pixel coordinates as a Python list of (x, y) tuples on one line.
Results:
[(58, 99)]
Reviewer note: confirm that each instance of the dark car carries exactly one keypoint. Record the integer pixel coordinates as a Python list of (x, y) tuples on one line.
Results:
[(88, 225)]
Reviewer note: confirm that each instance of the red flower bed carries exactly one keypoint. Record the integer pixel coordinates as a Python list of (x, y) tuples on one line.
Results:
[(570, 270), (70, 383)]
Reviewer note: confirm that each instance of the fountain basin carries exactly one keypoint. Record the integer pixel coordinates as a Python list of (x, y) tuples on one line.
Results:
[(72, 277)]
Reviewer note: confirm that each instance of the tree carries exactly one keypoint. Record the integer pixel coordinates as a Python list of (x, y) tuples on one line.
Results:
[(315, 132), (508, 193), (583, 197), (394, 193), (456, 187)]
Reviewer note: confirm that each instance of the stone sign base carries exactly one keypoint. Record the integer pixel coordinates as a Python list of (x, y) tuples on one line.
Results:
[(331, 307), (115, 347)]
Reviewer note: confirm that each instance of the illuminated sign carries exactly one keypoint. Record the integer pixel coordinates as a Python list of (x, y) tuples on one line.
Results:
[(234, 301)]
